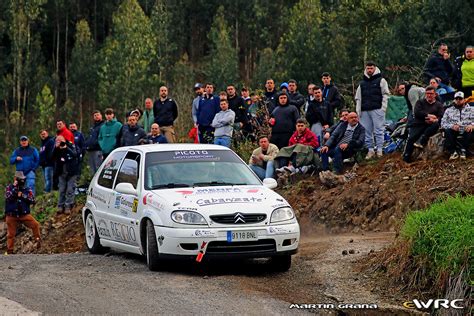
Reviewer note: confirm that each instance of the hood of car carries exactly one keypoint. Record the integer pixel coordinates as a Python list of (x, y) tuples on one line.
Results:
[(219, 200)]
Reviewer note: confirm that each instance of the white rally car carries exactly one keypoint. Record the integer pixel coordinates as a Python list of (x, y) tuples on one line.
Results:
[(187, 200)]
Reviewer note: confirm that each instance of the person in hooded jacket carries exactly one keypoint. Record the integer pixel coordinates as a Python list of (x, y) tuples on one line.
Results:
[(283, 121), (371, 104), (109, 132), (331, 92), (294, 97), (92, 142)]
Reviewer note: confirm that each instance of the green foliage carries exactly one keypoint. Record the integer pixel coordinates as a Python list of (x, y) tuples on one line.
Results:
[(244, 149), (45, 108), (83, 65), (443, 236), (266, 67), (222, 66), (126, 57), (45, 207)]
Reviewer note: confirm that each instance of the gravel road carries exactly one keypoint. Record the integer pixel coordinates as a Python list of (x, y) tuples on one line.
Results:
[(122, 284)]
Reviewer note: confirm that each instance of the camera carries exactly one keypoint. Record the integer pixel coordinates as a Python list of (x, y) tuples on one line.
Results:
[(21, 183), (62, 144)]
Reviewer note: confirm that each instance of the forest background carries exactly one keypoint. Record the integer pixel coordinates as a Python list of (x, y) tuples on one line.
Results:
[(63, 59)]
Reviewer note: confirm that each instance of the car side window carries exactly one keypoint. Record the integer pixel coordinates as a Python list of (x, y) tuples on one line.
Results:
[(129, 170), (107, 175)]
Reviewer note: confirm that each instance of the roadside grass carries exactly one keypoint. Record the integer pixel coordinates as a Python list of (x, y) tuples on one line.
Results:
[(433, 254), (443, 236)]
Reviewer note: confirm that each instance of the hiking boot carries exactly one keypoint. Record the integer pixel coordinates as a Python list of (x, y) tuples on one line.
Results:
[(379, 154), (60, 210), (455, 156), (370, 155), (290, 169), (38, 243), (67, 211), (462, 155), (280, 170)]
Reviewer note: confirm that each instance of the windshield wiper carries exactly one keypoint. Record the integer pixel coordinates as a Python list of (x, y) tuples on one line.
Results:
[(215, 183), (170, 186)]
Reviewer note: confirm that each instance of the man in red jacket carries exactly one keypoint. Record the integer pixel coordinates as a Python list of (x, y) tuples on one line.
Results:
[(63, 131), (303, 135)]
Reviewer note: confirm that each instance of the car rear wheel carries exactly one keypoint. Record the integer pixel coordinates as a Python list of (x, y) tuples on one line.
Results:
[(281, 263), (92, 237), (152, 253)]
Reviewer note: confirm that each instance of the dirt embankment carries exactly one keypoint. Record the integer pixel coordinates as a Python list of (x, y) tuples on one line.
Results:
[(381, 194)]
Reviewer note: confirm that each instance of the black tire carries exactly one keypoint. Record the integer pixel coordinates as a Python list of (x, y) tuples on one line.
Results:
[(152, 252), (281, 263), (92, 238)]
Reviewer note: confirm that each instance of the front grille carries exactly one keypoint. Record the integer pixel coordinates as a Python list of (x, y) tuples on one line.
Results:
[(241, 247), (238, 218)]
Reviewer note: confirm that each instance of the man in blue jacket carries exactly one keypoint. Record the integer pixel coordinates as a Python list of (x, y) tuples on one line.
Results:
[(209, 106), (26, 159)]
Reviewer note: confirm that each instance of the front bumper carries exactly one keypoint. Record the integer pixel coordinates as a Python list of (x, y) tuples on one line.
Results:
[(272, 241)]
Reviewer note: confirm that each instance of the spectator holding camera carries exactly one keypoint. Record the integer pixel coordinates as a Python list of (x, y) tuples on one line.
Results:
[(66, 168), (18, 198), (458, 121)]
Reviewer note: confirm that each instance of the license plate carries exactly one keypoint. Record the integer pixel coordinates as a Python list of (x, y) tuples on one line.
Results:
[(241, 235)]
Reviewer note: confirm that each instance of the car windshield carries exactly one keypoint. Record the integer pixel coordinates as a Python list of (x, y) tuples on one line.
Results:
[(190, 168)]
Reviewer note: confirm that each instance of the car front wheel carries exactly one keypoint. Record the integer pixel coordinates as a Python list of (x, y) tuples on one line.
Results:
[(152, 253), (92, 237)]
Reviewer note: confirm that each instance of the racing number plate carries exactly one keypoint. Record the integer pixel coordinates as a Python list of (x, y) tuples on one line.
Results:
[(241, 235)]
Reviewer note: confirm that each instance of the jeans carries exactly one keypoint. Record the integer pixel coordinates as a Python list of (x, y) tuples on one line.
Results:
[(338, 155), (421, 133), (95, 159), (30, 181), (48, 178), (223, 141), (263, 173), (374, 124), (317, 129), (67, 188), (451, 143)]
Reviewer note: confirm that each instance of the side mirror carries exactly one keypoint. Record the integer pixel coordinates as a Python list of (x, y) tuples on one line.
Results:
[(270, 183), (125, 188)]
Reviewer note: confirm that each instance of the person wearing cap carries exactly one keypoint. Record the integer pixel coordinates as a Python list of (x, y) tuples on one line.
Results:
[(148, 117), (284, 87), (109, 132), (294, 97), (198, 91), (18, 199), (458, 121), (26, 160), (166, 112), (63, 131)]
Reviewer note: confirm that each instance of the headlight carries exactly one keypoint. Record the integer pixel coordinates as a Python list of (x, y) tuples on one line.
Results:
[(282, 214), (189, 218)]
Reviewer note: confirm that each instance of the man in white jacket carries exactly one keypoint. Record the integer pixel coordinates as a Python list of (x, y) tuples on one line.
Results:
[(371, 105)]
